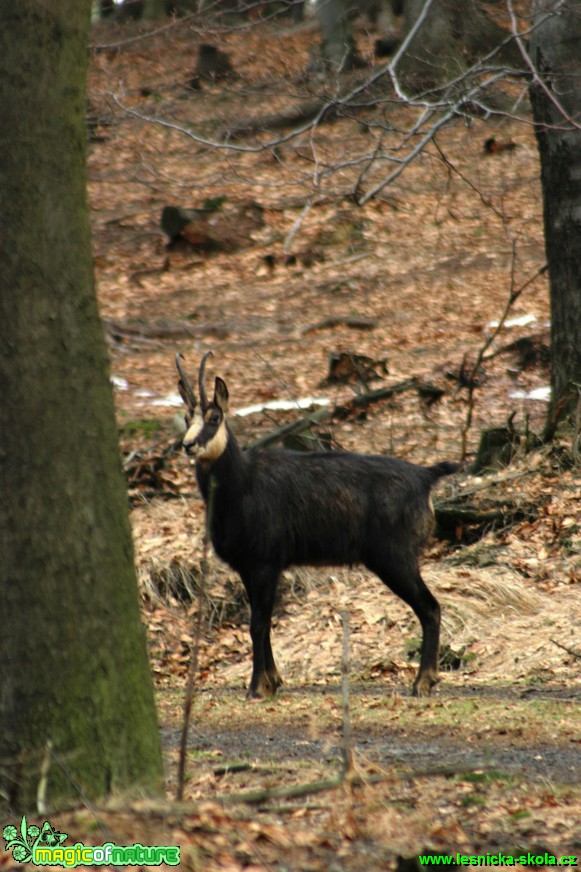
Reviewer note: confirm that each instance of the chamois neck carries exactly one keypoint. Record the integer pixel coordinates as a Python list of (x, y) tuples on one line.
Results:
[(226, 471)]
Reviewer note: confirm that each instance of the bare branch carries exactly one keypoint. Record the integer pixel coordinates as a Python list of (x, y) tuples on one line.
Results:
[(537, 79), (471, 379)]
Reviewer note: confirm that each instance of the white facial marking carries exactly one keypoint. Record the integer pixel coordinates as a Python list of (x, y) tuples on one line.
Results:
[(193, 430), (213, 449), (210, 451)]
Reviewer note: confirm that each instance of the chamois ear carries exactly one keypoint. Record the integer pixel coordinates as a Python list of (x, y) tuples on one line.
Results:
[(221, 395)]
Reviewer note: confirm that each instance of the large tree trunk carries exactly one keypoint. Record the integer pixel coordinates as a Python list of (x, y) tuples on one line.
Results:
[(453, 36), (75, 688), (338, 51), (556, 100)]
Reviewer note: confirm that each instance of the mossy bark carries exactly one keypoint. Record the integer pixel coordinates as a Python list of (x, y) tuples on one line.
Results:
[(556, 102), (73, 665)]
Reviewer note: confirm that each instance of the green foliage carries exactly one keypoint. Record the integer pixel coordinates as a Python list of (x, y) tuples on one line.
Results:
[(147, 427), (214, 204)]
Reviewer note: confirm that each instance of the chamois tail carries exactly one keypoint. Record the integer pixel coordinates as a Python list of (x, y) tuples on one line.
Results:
[(446, 467)]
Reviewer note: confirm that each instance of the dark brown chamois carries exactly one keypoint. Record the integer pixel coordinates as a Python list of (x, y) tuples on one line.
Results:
[(269, 509)]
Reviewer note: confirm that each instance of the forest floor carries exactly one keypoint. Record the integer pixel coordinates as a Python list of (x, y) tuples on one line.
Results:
[(491, 762)]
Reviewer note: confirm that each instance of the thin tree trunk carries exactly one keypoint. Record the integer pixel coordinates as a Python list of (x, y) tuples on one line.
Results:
[(338, 51), (74, 676), (556, 100)]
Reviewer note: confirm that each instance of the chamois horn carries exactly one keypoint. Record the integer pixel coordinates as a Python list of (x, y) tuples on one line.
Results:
[(201, 387), (184, 386)]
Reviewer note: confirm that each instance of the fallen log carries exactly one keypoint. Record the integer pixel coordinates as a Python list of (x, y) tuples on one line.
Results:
[(163, 329), (427, 392), (457, 514), (279, 434), (354, 321)]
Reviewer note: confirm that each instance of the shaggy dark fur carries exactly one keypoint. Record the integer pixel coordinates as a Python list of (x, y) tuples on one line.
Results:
[(272, 509)]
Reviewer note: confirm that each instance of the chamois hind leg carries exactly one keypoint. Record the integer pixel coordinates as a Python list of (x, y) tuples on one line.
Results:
[(261, 588), (404, 579)]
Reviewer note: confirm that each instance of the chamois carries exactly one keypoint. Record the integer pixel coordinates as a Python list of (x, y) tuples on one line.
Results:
[(270, 509)]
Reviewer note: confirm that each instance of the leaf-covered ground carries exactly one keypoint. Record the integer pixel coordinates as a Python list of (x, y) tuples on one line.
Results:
[(490, 763)]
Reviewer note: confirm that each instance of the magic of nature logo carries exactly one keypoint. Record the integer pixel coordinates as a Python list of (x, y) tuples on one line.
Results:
[(44, 846)]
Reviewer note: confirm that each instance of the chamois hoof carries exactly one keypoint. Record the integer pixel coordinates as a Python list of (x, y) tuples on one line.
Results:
[(254, 696), (424, 683), (265, 687), (277, 681)]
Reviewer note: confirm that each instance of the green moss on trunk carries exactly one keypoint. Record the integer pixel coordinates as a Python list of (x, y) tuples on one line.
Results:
[(72, 648)]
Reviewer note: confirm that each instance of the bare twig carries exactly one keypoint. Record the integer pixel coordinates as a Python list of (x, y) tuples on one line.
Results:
[(550, 92), (193, 667), (297, 225), (149, 34), (571, 651), (471, 379), (576, 446), (435, 108), (346, 745), (453, 168), (41, 803)]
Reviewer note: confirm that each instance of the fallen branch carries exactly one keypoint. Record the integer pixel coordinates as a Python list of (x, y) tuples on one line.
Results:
[(571, 651), (139, 274), (280, 433), (263, 795), (451, 514), (356, 322), (285, 792), (163, 329), (229, 768), (362, 400)]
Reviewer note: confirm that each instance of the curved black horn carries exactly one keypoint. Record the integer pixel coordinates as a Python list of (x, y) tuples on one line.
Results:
[(201, 388), (184, 386)]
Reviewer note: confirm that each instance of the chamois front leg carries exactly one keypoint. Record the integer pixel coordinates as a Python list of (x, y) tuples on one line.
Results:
[(261, 588)]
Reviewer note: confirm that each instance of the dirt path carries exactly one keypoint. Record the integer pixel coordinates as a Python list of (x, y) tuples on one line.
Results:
[(478, 769), (533, 755)]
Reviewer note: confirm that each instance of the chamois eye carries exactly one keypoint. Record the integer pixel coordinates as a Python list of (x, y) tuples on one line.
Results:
[(215, 419)]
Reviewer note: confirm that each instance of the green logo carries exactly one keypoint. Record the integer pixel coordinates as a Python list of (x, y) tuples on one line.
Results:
[(24, 842), (44, 846)]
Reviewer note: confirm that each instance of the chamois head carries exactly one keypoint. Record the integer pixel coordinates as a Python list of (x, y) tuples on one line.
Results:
[(207, 435)]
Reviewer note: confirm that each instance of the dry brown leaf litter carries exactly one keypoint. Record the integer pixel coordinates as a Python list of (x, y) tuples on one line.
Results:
[(431, 263)]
